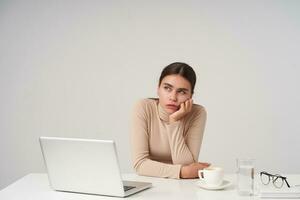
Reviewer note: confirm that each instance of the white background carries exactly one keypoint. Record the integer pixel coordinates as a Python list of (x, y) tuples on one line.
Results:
[(75, 69)]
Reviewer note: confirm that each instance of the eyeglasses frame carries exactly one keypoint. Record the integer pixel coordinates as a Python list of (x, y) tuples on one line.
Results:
[(271, 176)]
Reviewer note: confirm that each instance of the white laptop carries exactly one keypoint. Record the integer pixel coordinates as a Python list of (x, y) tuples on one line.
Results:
[(86, 166)]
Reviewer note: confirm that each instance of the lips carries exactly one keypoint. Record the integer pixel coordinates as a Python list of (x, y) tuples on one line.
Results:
[(172, 106)]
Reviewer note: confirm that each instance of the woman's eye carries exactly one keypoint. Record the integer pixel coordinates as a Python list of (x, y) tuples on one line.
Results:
[(182, 92), (167, 88)]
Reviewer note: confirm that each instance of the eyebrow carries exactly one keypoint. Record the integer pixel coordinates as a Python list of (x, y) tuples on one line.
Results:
[(179, 89)]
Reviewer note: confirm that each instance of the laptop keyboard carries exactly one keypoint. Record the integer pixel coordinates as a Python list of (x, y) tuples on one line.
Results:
[(126, 188)]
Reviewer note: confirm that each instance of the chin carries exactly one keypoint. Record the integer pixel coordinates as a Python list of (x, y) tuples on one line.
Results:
[(169, 111)]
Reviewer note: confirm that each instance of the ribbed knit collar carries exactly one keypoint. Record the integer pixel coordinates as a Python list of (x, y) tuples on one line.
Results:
[(163, 115)]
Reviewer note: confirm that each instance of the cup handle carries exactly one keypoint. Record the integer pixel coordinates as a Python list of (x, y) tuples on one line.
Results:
[(201, 174)]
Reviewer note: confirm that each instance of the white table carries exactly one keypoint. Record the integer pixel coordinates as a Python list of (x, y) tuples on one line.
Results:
[(36, 187)]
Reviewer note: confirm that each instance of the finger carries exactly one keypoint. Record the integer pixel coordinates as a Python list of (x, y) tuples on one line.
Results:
[(190, 105), (204, 163), (200, 166), (182, 107), (187, 105), (207, 165)]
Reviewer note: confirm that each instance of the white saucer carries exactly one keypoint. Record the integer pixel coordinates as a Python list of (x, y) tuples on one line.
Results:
[(202, 184)]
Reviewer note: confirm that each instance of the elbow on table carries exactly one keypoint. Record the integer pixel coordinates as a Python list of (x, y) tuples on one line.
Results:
[(138, 168), (139, 171)]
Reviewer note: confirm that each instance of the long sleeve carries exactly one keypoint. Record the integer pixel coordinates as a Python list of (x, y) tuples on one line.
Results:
[(140, 147), (195, 133), (185, 147)]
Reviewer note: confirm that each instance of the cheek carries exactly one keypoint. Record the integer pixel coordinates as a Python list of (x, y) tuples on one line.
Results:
[(161, 93), (182, 99), (162, 99)]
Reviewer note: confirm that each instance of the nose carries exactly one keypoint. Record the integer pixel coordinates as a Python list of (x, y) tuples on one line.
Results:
[(173, 96)]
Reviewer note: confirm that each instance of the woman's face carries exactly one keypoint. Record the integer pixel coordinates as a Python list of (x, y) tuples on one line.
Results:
[(172, 91)]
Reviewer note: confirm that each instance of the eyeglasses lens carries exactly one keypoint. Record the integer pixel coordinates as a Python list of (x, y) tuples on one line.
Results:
[(265, 179), (277, 181)]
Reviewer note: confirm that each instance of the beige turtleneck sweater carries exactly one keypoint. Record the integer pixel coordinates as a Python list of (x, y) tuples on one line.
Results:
[(160, 148)]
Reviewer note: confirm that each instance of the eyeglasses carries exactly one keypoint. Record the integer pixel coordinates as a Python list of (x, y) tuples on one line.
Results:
[(277, 179)]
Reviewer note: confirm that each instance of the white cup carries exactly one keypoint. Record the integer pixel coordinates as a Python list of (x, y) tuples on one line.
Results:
[(212, 176)]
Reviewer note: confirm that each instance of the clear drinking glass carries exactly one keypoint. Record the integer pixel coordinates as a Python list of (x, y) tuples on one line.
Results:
[(245, 177)]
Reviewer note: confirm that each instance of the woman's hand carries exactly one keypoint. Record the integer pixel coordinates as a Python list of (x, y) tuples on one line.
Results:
[(191, 170), (184, 109)]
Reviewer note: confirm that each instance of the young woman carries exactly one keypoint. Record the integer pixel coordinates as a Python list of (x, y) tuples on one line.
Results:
[(166, 133)]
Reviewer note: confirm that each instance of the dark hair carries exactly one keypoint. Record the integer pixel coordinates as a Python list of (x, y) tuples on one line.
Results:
[(182, 69)]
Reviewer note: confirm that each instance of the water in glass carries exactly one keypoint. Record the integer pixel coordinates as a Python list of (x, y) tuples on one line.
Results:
[(245, 176)]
